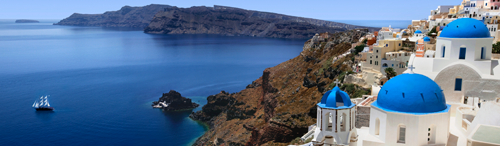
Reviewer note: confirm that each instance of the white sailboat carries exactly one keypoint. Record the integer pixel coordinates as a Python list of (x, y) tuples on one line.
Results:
[(42, 104)]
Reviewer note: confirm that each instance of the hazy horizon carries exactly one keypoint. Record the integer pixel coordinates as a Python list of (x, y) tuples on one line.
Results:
[(323, 9)]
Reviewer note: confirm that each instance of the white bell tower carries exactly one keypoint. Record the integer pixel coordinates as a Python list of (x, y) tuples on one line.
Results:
[(335, 120)]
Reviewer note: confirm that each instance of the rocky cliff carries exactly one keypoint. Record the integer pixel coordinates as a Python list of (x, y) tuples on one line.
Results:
[(279, 106), (234, 22), (133, 17), (173, 101)]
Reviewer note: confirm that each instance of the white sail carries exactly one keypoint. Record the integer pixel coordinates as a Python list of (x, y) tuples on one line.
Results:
[(34, 104)]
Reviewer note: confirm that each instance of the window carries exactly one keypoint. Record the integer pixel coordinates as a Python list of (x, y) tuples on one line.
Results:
[(399, 44), (485, 4), (386, 45), (458, 84), (377, 126), (443, 51), (392, 65), (343, 123), (384, 65), (462, 53), (377, 51), (402, 134), (376, 56), (370, 62), (482, 52)]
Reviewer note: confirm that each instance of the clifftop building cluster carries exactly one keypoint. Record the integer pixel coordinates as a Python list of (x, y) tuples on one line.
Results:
[(446, 93)]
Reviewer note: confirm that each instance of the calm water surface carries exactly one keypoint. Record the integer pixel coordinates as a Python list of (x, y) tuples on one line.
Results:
[(101, 81)]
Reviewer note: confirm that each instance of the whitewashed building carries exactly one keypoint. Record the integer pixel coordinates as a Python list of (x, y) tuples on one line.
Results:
[(335, 119), (462, 65)]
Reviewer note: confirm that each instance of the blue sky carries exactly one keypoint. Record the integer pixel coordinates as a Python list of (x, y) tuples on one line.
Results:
[(319, 9)]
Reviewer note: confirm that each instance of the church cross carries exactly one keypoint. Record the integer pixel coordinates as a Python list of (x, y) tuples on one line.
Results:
[(411, 68), (336, 82)]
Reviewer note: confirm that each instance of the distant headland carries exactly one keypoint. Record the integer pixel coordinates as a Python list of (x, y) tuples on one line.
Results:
[(221, 20), (27, 21)]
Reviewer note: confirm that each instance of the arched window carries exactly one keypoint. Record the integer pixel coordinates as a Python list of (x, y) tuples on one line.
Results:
[(384, 65), (462, 53), (443, 51), (327, 121), (343, 122), (401, 134), (482, 52), (377, 126)]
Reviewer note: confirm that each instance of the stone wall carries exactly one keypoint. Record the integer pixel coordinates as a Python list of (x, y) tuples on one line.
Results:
[(495, 56), (362, 116)]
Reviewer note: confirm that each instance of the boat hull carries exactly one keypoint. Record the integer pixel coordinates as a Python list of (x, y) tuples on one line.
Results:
[(45, 109)]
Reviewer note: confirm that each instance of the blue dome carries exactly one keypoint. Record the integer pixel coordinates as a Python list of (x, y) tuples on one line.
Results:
[(465, 28), (333, 96), (411, 93), (418, 32), (427, 39)]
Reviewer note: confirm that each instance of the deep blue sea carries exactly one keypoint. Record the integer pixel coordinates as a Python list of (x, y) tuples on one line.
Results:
[(102, 81)]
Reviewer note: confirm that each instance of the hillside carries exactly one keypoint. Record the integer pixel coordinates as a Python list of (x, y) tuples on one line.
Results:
[(133, 17), (235, 22), (279, 106)]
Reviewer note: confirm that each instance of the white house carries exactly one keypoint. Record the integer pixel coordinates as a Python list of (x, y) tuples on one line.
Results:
[(462, 65), (410, 110)]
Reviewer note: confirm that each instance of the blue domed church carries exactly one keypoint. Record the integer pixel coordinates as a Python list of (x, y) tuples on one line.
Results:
[(410, 109), (335, 119), (463, 65)]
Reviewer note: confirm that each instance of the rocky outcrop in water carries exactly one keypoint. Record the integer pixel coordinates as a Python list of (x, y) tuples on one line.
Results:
[(27, 21), (127, 16), (231, 21), (279, 106), (173, 101)]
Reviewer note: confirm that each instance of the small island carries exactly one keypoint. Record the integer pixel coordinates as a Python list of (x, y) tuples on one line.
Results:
[(27, 21), (173, 101)]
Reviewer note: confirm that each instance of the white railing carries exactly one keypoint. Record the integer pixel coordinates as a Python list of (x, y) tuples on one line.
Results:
[(308, 134)]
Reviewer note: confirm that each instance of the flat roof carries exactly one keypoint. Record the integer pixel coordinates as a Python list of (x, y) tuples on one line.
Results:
[(488, 134)]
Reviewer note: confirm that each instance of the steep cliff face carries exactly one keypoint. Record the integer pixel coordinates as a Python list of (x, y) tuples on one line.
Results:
[(279, 106), (234, 22), (133, 17)]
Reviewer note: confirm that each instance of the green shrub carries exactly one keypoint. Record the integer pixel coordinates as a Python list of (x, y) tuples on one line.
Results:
[(496, 48)]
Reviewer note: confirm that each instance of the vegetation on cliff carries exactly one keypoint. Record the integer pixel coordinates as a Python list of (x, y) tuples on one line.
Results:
[(279, 106), (235, 22)]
